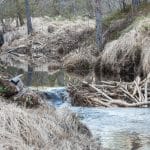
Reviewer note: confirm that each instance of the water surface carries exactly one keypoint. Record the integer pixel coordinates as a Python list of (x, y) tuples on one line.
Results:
[(117, 128)]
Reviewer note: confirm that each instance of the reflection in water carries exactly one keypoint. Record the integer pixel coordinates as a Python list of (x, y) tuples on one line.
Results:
[(135, 141), (29, 75), (117, 128), (126, 141), (58, 78), (40, 78), (46, 79)]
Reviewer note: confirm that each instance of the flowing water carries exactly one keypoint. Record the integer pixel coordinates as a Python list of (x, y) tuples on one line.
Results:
[(117, 128)]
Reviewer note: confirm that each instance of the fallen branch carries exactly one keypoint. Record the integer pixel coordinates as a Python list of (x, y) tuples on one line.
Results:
[(111, 93), (125, 104), (98, 90)]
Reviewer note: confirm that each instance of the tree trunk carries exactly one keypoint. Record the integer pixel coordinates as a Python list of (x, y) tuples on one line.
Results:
[(124, 5), (30, 30), (29, 75), (135, 3), (98, 15), (28, 16)]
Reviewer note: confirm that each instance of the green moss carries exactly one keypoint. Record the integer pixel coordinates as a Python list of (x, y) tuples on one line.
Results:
[(3, 90)]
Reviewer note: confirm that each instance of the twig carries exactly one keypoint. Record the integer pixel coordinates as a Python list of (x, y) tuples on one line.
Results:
[(125, 104), (128, 94), (98, 90)]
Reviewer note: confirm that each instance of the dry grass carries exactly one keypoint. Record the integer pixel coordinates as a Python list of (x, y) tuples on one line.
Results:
[(43, 128), (69, 35), (79, 62), (128, 56), (49, 46)]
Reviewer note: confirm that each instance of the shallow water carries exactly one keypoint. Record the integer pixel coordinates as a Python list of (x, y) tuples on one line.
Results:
[(117, 128)]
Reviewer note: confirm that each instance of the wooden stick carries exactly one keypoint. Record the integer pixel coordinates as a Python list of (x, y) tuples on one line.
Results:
[(102, 103), (146, 93), (139, 92), (128, 94), (98, 90), (125, 104)]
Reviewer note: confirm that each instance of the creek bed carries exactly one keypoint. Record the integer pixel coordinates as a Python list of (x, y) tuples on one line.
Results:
[(117, 128)]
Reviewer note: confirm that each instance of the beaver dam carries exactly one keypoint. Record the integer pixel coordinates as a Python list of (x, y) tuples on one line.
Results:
[(29, 122), (72, 82), (112, 93)]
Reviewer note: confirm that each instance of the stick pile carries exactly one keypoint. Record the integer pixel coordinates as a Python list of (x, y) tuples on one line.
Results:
[(112, 93)]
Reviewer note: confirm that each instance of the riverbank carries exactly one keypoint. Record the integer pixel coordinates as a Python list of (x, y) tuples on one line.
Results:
[(41, 126), (127, 57), (51, 45)]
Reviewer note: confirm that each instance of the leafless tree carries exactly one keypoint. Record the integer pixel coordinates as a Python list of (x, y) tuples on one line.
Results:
[(98, 15)]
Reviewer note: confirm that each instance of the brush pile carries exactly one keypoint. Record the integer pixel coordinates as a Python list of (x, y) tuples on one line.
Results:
[(112, 93)]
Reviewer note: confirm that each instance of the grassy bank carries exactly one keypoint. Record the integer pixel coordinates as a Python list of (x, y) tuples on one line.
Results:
[(42, 128), (128, 56)]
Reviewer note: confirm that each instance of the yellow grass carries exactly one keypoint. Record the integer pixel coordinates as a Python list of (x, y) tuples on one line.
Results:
[(128, 56), (42, 129)]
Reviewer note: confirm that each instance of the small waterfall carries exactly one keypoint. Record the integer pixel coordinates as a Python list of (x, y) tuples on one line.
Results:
[(112, 125)]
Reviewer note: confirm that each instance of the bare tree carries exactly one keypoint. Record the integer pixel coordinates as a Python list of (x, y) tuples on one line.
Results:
[(30, 30), (28, 16), (98, 15), (123, 4), (135, 3)]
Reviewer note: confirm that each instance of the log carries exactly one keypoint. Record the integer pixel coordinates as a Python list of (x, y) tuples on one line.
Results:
[(139, 92), (128, 94), (146, 93), (125, 104), (111, 93), (101, 103)]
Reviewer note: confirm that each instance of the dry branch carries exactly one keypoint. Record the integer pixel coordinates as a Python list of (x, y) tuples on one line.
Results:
[(111, 93)]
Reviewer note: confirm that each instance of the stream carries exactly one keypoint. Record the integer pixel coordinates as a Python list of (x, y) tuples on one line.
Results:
[(117, 128)]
